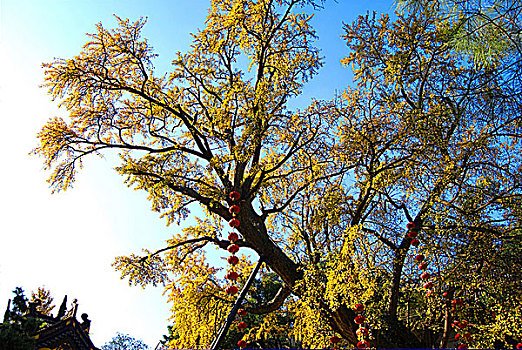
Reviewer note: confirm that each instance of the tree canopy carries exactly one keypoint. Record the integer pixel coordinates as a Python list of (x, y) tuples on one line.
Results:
[(124, 342), (393, 208)]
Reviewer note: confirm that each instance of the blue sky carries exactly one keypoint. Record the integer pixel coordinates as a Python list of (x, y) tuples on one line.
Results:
[(67, 241)]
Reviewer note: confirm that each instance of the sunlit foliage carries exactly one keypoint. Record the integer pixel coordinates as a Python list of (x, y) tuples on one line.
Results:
[(424, 136)]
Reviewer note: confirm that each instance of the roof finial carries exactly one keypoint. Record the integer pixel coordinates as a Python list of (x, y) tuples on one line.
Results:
[(74, 307), (7, 311), (63, 308)]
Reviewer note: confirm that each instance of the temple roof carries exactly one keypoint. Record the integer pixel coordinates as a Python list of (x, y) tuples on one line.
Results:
[(68, 334)]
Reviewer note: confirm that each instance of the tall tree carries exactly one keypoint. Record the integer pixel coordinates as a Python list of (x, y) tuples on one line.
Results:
[(17, 331), (325, 193)]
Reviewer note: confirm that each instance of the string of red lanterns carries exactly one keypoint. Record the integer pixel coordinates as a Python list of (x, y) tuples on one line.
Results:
[(233, 260), (462, 336), (362, 332), (413, 233), (242, 325)]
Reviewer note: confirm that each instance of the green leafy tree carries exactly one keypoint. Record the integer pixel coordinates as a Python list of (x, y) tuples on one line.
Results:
[(124, 342), (488, 31), (17, 330)]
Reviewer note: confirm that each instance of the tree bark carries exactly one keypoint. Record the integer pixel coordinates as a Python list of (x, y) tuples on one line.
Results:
[(254, 232)]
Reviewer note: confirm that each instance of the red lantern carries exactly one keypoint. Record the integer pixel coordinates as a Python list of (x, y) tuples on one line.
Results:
[(232, 275), (234, 195), (415, 242), (423, 266), (362, 332), (231, 290), (410, 226), (464, 324), (445, 294), (425, 275), (242, 343), (234, 209), (241, 312), (457, 336), (233, 260), (519, 346), (335, 339), (358, 308), (359, 319), (428, 285), (467, 336), (413, 234), (419, 258), (463, 346), (242, 325), (429, 293), (232, 237), (233, 248), (234, 223), (363, 344)]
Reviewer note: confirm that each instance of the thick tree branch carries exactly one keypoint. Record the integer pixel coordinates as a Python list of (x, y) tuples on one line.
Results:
[(273, 305), (381, 238)]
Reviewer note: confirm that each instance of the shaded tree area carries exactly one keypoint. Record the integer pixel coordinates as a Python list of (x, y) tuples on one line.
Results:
[(393, 208), (18, 329)]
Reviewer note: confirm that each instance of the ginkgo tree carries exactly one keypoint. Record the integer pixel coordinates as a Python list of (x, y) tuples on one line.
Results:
[(389, 213)]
